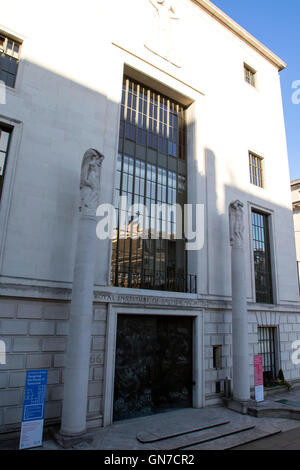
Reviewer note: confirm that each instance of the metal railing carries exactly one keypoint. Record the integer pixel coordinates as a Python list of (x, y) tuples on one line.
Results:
[(267, 348), (155, 281)]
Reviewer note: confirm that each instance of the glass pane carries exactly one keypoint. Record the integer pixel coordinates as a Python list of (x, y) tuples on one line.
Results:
[(2, 163), (159, 122), (4, 136), (9, 46)]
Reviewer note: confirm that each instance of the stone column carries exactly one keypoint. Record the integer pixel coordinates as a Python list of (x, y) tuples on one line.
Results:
[(240, 353), (78, 350)]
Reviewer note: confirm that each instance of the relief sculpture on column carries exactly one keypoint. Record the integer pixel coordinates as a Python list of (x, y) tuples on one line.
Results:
[(236, 224), (90, 182)]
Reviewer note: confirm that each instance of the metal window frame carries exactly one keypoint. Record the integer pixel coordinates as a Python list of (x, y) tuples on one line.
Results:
[(127, 279), (267, 238), (217, 357), (3, 53), (256, 168), (8, 129), (250, 75), (268, 347), (8, 187)]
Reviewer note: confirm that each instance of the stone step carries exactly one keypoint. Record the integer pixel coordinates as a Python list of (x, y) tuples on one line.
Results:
[(235, 440), (148, 437), (200, 437), (271, 409)]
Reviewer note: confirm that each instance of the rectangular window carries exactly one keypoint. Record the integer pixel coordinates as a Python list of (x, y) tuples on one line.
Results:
[(256, 169), (9, 59), (5, 133), (250, 75), (151, 171), (267, 345), (217, 357), (262, 257)]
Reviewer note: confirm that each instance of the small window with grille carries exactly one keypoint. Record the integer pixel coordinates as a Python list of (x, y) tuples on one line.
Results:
[(256, 170), (267, 346), (250, 75), (9, 58), (217, 357)]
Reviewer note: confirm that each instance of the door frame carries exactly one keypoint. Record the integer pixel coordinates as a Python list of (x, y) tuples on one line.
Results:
[(110, 353)]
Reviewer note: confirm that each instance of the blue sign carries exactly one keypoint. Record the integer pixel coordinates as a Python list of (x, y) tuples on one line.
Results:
[(35, 395)]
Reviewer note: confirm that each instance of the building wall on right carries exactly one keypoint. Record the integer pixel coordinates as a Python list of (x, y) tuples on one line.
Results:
[(295, 188)]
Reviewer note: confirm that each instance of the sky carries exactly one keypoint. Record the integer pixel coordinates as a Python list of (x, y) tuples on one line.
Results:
[(276, 23)]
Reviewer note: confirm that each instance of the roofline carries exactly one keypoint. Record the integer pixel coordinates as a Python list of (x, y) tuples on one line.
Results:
[(295, 182), (241, 32)]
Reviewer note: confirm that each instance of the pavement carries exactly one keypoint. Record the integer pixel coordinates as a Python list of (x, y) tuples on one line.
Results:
[(289, 440), (122, 435)]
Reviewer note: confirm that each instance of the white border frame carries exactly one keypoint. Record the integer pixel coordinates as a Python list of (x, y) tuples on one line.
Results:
[(110, 353)]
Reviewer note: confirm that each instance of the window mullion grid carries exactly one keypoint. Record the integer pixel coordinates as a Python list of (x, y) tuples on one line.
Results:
[(267, 348), (144, 227), (268, 260), (177, 129), (120, 242), (261, 172), (168, 125), (126, 108), (138, 100), (272, 352), (158, 252)]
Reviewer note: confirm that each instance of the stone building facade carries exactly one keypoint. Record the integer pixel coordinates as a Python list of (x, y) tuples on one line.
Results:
[(66, 90)]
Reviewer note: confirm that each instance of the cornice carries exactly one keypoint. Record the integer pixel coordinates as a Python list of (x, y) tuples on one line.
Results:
[(240, 32)]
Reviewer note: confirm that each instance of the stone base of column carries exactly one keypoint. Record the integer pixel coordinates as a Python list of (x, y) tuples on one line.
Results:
[(67, 442), (238, 406)]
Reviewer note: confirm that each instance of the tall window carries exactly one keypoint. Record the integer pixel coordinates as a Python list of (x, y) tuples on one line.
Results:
[(267, 337), (151, 172), (9, 59), (256, 169), (4, 144), (262, 257)]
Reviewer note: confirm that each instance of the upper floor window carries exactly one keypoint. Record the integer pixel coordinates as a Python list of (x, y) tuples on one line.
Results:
[(9, 59), (250, 75), (262, 257), (151, 173), (4, 144), (152, 120), (256, 169)]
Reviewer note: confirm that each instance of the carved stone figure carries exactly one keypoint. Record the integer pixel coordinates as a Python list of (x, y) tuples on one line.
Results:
[(90, 181), (163, 42), (236, 223)]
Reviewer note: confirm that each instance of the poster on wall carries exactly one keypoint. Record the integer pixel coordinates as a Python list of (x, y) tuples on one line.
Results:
[(33, 409), (258, 378)]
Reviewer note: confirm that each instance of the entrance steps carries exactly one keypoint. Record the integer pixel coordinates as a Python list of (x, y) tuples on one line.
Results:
[(234, 440), (148, 437), (215, 436)]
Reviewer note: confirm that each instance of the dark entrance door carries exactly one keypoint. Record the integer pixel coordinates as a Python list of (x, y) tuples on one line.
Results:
[(153, 365)]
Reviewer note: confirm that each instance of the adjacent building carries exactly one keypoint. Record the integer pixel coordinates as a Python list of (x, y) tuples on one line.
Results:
[(295, 187), (186, 107)]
